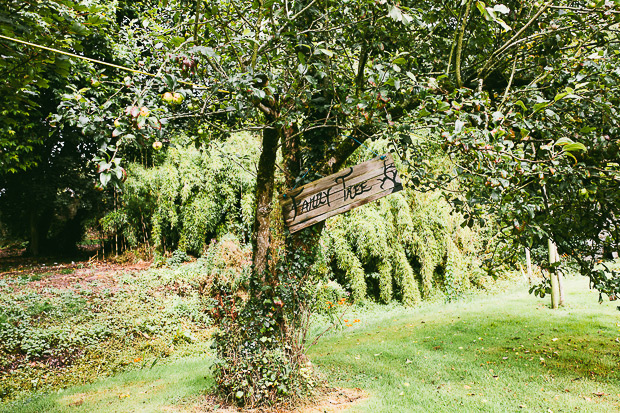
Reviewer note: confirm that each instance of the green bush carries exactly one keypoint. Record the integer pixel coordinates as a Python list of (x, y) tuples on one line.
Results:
[(195, 195), (328, 294), (178, 258), (407, 246), (91, 331)]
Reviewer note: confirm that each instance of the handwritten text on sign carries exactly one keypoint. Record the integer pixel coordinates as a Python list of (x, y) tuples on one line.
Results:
[(340, 192)]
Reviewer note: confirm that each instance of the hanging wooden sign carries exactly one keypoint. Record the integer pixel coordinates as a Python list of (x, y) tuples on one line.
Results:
[(340, 192)]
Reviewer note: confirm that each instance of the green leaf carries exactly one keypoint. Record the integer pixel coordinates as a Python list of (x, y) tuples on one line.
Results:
[(154, 121), (577, 146), (520, 104), (502, 23), (500, 8), (400, 61), (177, 40), (572, 156), (395, 14), (423, 112), (105, 178), (492, 14), (564, 141), (483, 10), (443, 106), (587, 129), (540, 106)]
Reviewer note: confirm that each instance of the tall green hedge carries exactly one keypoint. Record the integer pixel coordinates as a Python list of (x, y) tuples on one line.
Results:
[(195, 195), (406, 246)]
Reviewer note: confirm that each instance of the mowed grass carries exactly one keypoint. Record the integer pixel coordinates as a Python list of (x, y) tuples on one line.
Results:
[(176, 387), (502, 353)]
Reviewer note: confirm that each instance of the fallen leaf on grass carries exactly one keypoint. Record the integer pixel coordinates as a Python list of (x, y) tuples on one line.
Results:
[(408, 361), (467, 387), (600, 394)]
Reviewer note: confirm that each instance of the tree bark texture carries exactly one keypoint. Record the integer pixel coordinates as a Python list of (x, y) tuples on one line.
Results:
[(553, 275), (528, 261), (34, 235), (261, 237), (560, 282)]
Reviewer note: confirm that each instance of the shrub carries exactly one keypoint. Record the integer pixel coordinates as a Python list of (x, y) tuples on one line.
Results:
[(178, 258), (407, 246), (195, 195), (327, 295)]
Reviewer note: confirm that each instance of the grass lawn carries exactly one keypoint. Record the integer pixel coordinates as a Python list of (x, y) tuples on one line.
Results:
[(176, 387), (502, 353)]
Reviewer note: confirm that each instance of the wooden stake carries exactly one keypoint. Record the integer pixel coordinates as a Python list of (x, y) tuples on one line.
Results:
[(553, 275)]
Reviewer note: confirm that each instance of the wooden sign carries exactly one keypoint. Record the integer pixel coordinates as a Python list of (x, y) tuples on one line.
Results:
[(340, 192)]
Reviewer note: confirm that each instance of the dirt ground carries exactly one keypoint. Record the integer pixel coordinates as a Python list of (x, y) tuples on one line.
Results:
[(91, 274), (330, 400)]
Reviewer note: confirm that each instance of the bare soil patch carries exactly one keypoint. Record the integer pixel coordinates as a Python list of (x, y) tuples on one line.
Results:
[(327, 400), (73, 276)]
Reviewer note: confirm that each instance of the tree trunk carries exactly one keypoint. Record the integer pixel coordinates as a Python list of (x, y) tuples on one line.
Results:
[(34, 235), (553, 275), (528, 262), (560, 282), (261, 234)]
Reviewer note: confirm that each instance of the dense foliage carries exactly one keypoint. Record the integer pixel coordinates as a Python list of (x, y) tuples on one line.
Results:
[(520, 95), (55, 332), (192, 196), (31, 75), (527, 114), (405, 247)]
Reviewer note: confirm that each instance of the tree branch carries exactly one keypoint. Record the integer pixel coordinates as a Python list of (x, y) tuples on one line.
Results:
[(459, 45)]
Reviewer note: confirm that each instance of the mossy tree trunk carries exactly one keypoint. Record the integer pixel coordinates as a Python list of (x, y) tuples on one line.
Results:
[(265, 182)]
